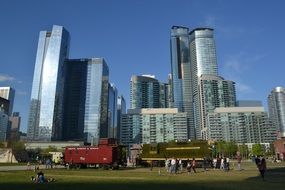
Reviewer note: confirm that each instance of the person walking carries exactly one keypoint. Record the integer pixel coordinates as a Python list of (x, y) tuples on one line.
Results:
[(262, 168), (193, 165)]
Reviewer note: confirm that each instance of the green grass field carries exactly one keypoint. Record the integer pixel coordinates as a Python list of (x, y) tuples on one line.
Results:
[(145, 179)]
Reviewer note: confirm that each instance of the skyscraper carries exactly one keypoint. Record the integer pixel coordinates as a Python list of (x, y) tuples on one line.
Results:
[(8, 93), (144, 92), (85, 113), (121, 109), (47, 90), (112, 111), (203, 62), (182, 93), (276, 107)]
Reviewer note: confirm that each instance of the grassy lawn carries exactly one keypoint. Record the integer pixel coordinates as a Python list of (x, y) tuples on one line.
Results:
[(145, 179)]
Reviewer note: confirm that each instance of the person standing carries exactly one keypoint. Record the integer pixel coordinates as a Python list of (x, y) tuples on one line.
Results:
[(239, 162), (262, 168), (193, 165)]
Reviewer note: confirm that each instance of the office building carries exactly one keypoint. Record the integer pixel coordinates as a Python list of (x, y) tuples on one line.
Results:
[(85, 113), (153, 126), (276, 108), (8, 93), (121, 109), (241, 125), (112, 111), (47, 90)]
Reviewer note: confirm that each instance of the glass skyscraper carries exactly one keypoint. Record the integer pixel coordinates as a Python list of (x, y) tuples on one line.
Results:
[(47, 90), (86, 100), (203, 62), (96, 104), (112, 111), (276, 107), (182, 94)]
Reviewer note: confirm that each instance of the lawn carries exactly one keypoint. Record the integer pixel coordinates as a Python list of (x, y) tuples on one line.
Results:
[(145, 179)]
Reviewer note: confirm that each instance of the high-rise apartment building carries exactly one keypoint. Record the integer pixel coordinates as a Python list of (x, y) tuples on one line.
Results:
[(214, 92), (47, 90), (276, 107), (85, 113), (203, 62), (153, 126), (182, 92), (8, 93), (148, 92), (241, 125)]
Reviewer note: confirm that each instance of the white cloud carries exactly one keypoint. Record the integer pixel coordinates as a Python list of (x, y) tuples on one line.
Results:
[(6, 78), (243, 88), (236, 66)]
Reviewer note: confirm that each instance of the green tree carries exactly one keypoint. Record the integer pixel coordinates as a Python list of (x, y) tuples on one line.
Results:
[(243, 149), (257, 149), (230, 149)]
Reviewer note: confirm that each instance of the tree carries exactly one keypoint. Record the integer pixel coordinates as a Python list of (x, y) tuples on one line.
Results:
[(257, 150), (243, 149)]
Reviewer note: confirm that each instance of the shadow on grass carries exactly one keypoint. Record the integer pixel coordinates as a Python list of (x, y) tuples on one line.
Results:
[(272, 175), (274, 180)]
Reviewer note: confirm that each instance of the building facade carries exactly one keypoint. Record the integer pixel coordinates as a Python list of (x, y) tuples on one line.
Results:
[(112, 111), (153, 126), (203, 62), (5, 105), (8, 93), (121, 109), (249, 103), (214, 92), (85, 113), (241, 125), (15, 121), (4, 121), (181, 79), (47, 90), (144, 92), (276, 108)]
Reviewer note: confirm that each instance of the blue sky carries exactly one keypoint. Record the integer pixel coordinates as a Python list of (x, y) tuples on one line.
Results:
[(133, 36)]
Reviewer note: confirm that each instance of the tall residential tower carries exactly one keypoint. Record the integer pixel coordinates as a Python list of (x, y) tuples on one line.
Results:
[(276, 107)]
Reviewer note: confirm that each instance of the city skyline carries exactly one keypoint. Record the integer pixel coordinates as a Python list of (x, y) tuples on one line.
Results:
[(133, 44)]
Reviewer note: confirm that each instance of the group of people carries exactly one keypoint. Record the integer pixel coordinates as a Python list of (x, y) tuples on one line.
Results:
[(40, 178), (221, 163), (175, 165)]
